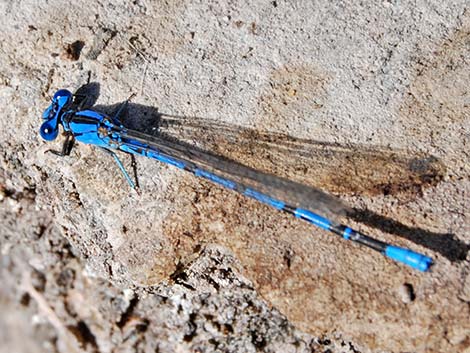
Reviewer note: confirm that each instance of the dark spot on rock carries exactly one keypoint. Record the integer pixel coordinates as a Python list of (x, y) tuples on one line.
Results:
[(75, 196), (410, 291), (350, 346), (288, 256), (258, 340), (125, 317), (192, 328), (25, 299), (73, 50), (227, 329), (181, 277), (39, 231), (84, 335), (214, 342), (253, 28), (248, 53)]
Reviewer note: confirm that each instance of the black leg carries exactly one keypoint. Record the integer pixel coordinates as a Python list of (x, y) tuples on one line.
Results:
[(122, 107), (66, 147), (134, 169)]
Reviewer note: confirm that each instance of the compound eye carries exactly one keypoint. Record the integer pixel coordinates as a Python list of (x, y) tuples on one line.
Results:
[(62, 97), (48, 131)]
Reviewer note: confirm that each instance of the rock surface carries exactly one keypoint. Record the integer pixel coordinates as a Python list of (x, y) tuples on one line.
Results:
[(368, 101)]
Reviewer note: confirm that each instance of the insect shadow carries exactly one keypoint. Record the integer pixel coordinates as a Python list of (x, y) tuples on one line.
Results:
[(337, 169)]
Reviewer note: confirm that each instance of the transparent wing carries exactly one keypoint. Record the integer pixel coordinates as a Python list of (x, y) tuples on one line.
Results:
[(290, 192), (339, 169)]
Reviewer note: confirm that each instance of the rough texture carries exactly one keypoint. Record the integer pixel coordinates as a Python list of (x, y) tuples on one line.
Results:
[(368, 101), (208, 307)]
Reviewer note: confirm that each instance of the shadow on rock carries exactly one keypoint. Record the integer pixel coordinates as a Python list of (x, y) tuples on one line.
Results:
[(337, 169)]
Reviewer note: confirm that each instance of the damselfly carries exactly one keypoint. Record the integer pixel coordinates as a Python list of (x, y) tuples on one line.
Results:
[(304, 202)]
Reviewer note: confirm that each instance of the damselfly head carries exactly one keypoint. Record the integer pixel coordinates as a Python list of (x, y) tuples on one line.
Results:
[(50, 128), (49, 131), (62, 97)]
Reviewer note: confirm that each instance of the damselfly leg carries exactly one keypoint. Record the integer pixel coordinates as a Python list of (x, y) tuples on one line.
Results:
[(123, 170), (66, 147), (122, 107), (134, 170)]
